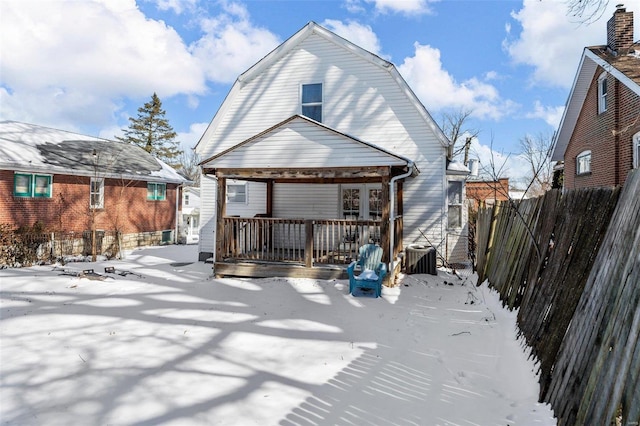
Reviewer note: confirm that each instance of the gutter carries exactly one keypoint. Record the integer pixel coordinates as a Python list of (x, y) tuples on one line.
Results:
[(392, 218)]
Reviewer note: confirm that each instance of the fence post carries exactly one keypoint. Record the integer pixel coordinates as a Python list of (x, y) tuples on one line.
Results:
[(308, 246)]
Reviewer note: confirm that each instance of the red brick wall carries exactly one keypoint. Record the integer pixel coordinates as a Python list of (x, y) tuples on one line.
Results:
[(609, 136), (126, 207), (487, 190)]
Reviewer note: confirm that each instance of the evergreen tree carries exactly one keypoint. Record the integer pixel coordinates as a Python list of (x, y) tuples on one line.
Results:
[(152, 132)]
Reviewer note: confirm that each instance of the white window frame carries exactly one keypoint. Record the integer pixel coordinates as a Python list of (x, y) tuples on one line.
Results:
[(583, 163), (602, 93), (312, 104), (636, 150), (235, 198), (96, 193), (455, 204)]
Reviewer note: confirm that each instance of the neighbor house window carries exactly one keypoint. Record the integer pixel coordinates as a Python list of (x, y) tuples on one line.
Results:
[(454, 197), (636, 150), (237, 193), (583, 163), (97, 193), (32, 185), (602, 93), (312, 101), (156, 191), (186, 199)]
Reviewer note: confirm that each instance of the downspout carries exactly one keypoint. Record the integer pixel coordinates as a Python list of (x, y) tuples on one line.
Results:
[(175, 233), (392, 219)]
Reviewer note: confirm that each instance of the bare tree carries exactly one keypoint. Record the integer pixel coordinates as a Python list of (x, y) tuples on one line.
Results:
[(586, 11), (190, 166), (454, 126), (536, 150)]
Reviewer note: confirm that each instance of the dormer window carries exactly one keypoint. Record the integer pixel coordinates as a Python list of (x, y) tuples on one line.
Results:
[(602, 93), (312, 101)]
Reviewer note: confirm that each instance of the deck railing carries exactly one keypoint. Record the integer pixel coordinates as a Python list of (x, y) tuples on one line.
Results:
[(309, 242)]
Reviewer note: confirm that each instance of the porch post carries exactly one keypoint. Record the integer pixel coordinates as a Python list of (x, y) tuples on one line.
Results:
[(399, 232), (269, 211), (385, 238), (221, 212), (308, 245)]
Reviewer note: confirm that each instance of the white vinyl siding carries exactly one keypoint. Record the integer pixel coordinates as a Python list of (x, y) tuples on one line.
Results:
[(360, 99)]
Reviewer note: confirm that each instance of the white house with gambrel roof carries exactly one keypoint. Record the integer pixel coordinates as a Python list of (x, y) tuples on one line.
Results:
[(323, 145)]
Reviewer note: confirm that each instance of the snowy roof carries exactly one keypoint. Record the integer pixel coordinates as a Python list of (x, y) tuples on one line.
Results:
[(32, 148), (455, 167)]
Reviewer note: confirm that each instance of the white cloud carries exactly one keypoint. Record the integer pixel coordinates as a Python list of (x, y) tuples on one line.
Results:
[(552, 42), (231, 44), (359, 34), (79, 58), (177, 6), (189, 139), (438, 90), (408, 7), (550, 114)]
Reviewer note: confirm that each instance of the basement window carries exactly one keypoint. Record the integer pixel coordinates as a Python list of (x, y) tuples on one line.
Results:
[(583, 163), (32, 185), (156, 191)]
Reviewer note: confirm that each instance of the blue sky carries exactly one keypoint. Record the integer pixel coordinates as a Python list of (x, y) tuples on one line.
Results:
[(88, 65)]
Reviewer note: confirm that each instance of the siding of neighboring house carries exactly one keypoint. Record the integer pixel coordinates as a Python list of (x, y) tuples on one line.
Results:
[(360, 99), (610, 143), (126, 206)]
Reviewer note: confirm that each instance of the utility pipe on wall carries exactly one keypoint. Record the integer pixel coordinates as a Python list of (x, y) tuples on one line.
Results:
[(392, 218)]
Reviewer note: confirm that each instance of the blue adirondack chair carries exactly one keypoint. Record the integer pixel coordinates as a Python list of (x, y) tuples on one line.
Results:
[(371, 271)]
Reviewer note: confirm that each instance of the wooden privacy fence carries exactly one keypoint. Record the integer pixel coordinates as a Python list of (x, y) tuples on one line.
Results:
[(571, 264)]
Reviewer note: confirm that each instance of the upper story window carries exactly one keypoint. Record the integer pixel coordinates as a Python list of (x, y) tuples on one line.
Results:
[(583, 163), (454, 196), (312, 101), (32, 185), (602, 93), (186, 199), (96, 196), (237, 193), (156, 191), (636, 150)]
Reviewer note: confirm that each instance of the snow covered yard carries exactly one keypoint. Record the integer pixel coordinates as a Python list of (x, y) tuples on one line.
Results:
[(177, 346)]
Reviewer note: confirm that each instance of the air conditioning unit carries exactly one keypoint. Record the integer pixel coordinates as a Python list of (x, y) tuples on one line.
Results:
[(421, 260)]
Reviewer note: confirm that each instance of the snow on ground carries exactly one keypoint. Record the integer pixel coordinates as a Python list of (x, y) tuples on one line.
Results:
[(176, 346)]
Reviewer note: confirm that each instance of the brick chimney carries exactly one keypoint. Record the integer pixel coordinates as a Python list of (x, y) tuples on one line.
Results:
[(620, 31)]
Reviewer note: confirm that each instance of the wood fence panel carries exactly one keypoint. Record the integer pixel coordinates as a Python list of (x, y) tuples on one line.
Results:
[(579, 312), (596, 364)]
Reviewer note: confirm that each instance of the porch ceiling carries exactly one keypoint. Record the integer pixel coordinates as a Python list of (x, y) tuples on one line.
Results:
[(306, 175)]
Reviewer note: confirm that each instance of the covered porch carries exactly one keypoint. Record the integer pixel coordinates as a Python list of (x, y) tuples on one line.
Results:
[(302, 243)]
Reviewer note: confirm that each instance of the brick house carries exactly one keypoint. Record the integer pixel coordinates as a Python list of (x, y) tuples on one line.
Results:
[(598, 140), (488, 191), (71, 183)]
